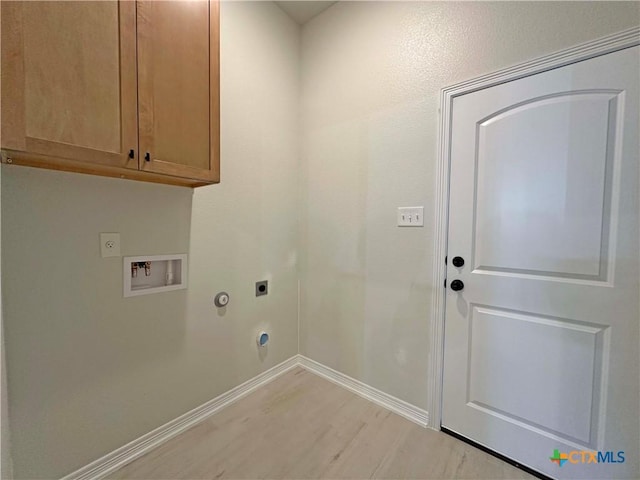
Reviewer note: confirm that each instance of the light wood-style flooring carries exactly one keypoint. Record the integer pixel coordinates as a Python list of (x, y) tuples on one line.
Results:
[(302, 426)]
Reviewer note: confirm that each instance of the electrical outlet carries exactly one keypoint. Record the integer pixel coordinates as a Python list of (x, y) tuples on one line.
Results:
[(410, 216), (110, 245), (262, 288)]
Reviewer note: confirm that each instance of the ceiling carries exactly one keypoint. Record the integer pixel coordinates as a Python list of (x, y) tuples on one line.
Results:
[(302, 12)]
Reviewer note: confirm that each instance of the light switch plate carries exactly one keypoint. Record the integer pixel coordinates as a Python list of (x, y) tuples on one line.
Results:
[(110, 245), (410, 216)]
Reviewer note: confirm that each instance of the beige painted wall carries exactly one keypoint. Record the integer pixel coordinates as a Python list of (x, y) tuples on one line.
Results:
[(371, 75), (5, 441), (5, 445), (88, 370)]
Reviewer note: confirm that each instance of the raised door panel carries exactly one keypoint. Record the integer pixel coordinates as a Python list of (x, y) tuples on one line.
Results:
[(509, 379), (177, 61), (544, 172), (69, 80)]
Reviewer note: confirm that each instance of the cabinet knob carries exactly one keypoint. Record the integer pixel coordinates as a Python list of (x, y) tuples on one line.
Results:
[(147, 157), (132, 154)]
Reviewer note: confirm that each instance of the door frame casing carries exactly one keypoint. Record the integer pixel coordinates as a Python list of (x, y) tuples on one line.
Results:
[(602, 46)]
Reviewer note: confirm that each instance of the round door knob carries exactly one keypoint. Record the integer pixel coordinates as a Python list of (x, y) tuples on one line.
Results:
[(457, 261), (457, 285)]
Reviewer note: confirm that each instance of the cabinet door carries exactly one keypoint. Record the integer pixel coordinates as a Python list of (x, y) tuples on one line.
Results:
[(69, 80), (178, 88)]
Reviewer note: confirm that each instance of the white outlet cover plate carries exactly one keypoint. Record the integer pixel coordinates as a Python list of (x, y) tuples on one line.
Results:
[(109, 245), (411, 216)]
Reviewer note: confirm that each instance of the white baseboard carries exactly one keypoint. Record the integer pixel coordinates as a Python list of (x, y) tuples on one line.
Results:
[(138, 447), (111, 462), (402, 408)]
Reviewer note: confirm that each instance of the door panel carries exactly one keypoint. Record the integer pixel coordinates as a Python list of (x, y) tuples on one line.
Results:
[(542, 167), (513, 394), (70, 76), (541, 345), (174, 87), (56, 114)]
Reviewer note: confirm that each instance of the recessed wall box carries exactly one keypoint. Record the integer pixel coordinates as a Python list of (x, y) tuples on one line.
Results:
[(148, 274)]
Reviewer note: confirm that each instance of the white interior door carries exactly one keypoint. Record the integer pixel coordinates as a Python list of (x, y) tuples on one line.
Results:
[(541, 344)]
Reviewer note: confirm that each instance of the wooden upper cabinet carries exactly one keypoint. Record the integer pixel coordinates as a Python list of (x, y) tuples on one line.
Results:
[(178, 88), (69, 80), (93, 86)]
